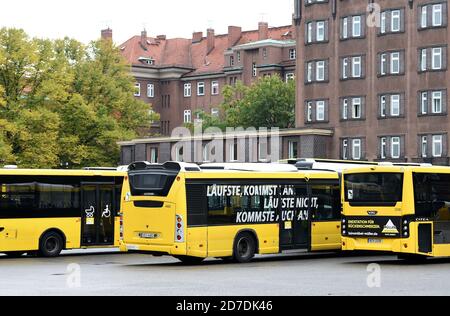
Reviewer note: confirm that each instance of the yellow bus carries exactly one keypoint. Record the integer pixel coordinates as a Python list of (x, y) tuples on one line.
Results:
[(46, 211), (229, 211), (399, 209)]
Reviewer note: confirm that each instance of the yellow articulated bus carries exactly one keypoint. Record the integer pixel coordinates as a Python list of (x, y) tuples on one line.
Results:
[(229, 211), (46, 211), (399, 209)]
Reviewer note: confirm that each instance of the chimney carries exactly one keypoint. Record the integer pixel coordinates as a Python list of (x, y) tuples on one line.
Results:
[(234, 35), (263, 31), (197, 37), (144, 39), (107, 34), (211, 40)]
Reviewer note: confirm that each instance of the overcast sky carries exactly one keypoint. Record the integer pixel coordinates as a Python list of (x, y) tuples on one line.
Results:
[(83, 19)]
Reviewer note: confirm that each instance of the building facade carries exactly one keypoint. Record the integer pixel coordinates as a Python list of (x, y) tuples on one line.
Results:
[(375, 72)]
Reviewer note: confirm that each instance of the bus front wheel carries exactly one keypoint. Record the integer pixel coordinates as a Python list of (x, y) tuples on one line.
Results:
[(244, 248), (51, 245)]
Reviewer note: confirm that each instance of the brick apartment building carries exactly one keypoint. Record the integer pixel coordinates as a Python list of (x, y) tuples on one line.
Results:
[(382, 88)]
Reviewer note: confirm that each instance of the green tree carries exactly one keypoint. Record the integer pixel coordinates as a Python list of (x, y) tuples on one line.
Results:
[(269, 102)]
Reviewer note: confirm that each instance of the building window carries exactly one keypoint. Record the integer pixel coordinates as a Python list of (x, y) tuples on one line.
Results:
[(309, 72), (437, 15), (345, 28), (437, 58), (383, 64), (320, 31), (264, 53), (356, 108), (356, 67), (215, 87), (150, 90), (262, 151), (187, 116), (423, 17), (254, 70), (290, 76), (292, 150), (187, 90), (309, 108), (200, 88), (395, 105), (292, 54), (437, 102), (231, 61), (153, 155), (345, 149), (437, 146), (320, 111), (383, 147), (137, 89), (395, 148), (356, 26), (205, 153), (233, 154), (320, 70), (238, 57), (383, 22), (356, 149), (345, 109), (424, 146), (215, 112), (395, 63), (395, 21), (423, 60), (424, 102), (383, 106), (344, 68)]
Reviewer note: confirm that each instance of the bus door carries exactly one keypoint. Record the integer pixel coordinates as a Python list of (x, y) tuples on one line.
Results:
[(294, 217), (97, 207)]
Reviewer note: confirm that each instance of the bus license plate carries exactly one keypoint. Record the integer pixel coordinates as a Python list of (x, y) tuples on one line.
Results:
[(148, 236), (374, 241)]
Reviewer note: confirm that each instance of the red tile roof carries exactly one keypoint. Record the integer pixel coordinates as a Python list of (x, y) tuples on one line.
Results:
[(180, 52)]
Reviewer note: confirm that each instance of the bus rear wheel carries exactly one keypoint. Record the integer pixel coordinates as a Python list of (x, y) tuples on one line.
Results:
[(190, 260), (51, 245), (244, 248)]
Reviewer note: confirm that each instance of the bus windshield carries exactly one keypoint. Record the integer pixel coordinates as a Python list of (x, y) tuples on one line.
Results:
[(373, 189)]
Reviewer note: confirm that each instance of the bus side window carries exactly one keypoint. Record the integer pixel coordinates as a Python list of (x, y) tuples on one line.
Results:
[(328, 202)]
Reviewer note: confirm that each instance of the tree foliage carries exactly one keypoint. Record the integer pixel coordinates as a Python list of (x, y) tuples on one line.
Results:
[(63, 103), (269, 102)]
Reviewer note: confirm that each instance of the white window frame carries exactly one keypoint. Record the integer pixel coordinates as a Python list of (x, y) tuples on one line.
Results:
[(187, 117), (153, 155), (395, 145), (320, 31), (423, 59), (383, 147), (345, 109), (395, 100), (383, 108), (437, 107), (320, 70), (292, 54), (345, 28), (309, 35), (215, 88), (254, 70), (262, 158), (424, 146), (395, 60), (437, 19), (356, 149), (187, 90), (383, 22), (383, 61), (238, 54), (356, 21), (290, 76), (396, 15), (436, 64), (345, 149), (424, 17), (309, 72), (137, 89), (320, 111), (150, 90), (357, 67), (291, 147), (201, 85), (344, 67), (309, 110), (424, 102), (438, 141), (356, 104), (232, 152)]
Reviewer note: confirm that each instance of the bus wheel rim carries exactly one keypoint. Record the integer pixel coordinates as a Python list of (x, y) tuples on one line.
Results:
[(51, 244), (243, 247)]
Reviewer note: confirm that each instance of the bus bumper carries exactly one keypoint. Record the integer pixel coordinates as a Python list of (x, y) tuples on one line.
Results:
[(381, 245)]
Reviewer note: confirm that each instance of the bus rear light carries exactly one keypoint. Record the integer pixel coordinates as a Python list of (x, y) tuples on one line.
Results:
[(179, 229)]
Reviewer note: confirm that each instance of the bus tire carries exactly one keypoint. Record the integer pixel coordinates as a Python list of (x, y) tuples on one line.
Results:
[(244, 248), (190, 260), (51, 244), (15, 254)]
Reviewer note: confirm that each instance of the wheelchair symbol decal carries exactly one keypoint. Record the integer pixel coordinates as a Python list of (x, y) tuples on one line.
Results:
[(107, 212)]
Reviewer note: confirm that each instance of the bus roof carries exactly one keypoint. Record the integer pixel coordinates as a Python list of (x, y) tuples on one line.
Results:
[(235, 174), (61, 172), (425, 168)]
